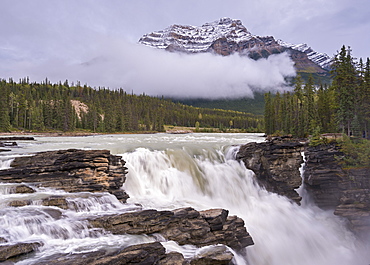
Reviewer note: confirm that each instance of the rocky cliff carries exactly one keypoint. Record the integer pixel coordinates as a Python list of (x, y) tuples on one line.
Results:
[(228, 36), (276, 164), (344, 191), (347, 191)]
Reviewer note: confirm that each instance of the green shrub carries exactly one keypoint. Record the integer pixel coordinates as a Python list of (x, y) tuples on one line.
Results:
[(356, 152)]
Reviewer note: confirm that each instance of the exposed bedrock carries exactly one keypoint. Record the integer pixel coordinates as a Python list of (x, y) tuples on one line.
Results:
[(70, 170), (8, 251), (185, 226), (148, 254), (276, 164), (347, 191)]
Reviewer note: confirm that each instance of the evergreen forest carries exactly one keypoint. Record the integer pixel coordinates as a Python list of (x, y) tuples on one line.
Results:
[(46, 107), (341, 107)]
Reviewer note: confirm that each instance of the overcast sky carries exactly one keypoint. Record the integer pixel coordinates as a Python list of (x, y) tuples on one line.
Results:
[(95, 42)]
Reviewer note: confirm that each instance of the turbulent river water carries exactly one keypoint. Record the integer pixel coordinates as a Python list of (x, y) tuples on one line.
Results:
[(172, 171)]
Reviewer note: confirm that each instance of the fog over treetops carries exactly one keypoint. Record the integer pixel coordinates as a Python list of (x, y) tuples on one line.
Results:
[(141, 69)]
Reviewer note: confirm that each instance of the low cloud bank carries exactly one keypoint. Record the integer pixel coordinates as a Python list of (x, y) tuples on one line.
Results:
[(140, 69)]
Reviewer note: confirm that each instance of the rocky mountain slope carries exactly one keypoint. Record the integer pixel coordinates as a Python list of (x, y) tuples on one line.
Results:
[(228, 36)]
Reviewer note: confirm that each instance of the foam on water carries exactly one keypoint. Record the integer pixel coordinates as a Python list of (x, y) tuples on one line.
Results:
[(173, 171)]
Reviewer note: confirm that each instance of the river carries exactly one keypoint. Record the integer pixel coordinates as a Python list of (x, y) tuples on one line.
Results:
[(168, 171)]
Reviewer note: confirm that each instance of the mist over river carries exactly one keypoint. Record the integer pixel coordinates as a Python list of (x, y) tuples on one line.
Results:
[(169, 171)]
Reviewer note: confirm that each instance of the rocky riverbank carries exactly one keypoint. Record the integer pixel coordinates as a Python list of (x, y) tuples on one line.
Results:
[(70, 170), (98, 172), (346, 192)]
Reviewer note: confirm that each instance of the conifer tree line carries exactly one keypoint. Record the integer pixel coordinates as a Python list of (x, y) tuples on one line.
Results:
[(49, 107), (343, 106)]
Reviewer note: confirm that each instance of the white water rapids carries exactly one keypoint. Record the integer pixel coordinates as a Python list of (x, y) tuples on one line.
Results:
[(173, 171)]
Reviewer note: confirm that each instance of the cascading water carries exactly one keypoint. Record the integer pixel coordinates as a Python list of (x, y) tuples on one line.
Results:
[(283, 232), (173, 171)]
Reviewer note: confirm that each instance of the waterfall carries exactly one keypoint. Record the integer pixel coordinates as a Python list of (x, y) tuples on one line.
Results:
[(169, 172), (5, 162), (61, 230), (283, 232)]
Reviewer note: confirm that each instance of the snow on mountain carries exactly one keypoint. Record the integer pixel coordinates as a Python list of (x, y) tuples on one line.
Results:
[(227, 36), (321, 59), (197, 39)]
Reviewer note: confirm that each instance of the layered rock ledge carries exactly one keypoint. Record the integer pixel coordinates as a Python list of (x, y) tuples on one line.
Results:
[(70, 170), (148, 253), (276, 164), (347, 191), (185, 226), (98, 171)]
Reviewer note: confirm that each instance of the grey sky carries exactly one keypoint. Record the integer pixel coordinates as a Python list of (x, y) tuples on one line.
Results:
[(50, 37)]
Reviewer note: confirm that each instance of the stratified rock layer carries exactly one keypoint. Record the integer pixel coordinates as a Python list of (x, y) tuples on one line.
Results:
[(276, 164), (185, 226), (347, 191), (70, 170), (14, 250), (145, 254)]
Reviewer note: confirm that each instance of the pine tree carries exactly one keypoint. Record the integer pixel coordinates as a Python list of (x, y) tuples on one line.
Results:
[(269, 114), (366, 99), (345, 83), (310, 109), (4, 109), (299, 118)]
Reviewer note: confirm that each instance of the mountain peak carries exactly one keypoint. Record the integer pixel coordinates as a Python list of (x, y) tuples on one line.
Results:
[(225, 21), (194, 39), (226, 36)]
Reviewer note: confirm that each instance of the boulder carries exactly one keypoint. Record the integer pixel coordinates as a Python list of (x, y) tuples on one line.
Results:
[(276, 164), (18, 249), (70, 170), (185, 226), (24, 189), (58, 201), (19, 203), (214, 255)]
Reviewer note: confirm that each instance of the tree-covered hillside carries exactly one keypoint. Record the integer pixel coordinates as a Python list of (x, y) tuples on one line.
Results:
[(62, 107), (344, 106), (250, 105)]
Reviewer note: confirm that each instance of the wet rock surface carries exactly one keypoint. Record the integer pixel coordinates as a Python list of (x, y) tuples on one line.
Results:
[(150, 253), (217, 255), (145, 254), (345, 191), (70, 170), (185, 226), (10, 141), (8, 251), (276, 164)]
